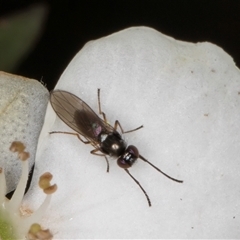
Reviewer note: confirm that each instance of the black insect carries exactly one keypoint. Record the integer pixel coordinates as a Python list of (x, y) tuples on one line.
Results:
[(105, 139)]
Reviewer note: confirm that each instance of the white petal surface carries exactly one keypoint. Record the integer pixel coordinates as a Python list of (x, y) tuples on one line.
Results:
[(23, 103), (187, 96)]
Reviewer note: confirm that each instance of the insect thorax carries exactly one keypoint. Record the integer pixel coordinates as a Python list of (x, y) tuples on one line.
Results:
[(112, 144)]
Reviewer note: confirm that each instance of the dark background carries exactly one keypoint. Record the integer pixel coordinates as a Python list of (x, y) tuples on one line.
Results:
[(70, 24)]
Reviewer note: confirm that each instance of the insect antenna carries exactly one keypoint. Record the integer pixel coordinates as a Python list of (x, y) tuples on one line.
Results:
[(136, 181), (174, 179)]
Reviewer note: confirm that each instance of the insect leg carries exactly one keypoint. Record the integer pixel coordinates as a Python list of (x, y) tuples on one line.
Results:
[(99, 107), (75, 134), (135, 180), (117, 124), (94, 152), (145, 160)]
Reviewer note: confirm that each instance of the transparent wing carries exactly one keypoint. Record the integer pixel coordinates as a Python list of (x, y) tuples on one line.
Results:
[(78, 115)]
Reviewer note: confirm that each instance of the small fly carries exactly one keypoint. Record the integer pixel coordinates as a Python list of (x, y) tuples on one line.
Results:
[(105, 138)]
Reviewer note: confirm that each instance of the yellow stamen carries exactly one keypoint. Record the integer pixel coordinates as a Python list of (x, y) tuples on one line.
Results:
[(50, 190), (23, 156), (37, 233), (17, 147), (12, 220)]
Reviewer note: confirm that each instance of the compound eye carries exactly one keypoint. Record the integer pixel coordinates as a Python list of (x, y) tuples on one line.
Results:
[(128, 158)]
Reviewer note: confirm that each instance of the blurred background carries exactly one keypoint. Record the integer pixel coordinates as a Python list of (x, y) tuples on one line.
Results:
[(39, 38)]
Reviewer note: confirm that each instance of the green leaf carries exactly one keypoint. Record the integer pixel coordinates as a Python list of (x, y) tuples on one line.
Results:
[(19, 32)]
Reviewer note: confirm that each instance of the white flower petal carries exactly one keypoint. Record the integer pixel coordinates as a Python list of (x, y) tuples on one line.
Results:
[(23, 103), (187, 97)]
